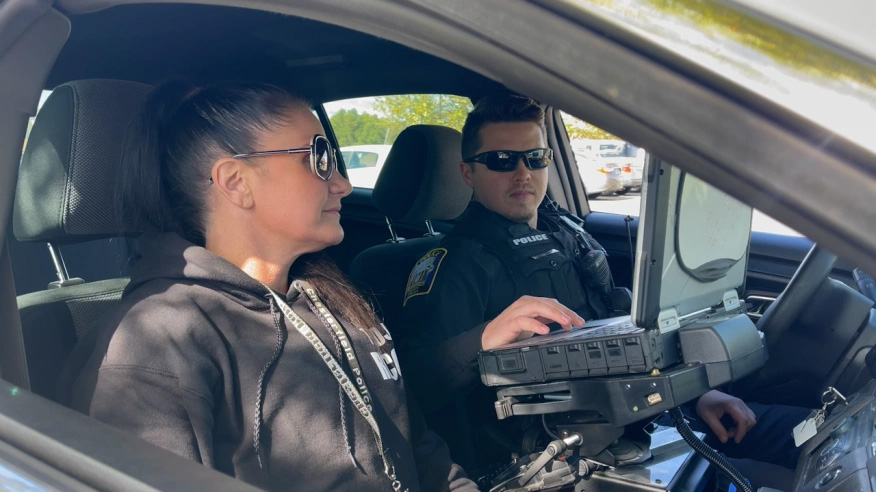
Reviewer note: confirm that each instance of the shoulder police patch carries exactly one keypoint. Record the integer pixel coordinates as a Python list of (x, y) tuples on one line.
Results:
[(423, 274)]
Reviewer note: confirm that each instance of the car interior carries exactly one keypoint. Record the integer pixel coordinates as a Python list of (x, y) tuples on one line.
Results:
[(67, 250)]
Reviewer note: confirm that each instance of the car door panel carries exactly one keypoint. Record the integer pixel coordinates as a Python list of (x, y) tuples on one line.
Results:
[(619, 241), (773, 260), (109, 459)]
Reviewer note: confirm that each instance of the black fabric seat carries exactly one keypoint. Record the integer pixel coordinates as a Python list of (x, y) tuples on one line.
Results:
[(65, 195), (420, 181)]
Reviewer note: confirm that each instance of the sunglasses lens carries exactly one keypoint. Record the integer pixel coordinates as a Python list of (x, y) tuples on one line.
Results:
[(323, 158), (504, 161), (501, 161), (538, 159)]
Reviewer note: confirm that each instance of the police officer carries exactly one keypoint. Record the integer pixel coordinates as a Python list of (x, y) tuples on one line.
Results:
[(465, 295)]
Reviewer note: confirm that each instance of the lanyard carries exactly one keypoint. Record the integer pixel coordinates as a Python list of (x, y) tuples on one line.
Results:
[(360, 397), (329, 320)]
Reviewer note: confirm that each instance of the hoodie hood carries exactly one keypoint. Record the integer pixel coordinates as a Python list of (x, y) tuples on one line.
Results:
[(169, 256)]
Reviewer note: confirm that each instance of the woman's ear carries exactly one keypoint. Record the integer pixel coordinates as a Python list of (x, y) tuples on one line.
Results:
[(231, 179)]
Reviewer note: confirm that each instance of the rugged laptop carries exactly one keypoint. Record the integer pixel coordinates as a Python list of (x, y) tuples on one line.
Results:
[(691, 259)]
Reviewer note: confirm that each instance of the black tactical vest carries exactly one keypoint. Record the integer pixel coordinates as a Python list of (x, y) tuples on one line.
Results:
[(545, 263)]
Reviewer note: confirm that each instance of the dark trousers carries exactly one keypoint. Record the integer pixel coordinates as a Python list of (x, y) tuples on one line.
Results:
[(770, 440)]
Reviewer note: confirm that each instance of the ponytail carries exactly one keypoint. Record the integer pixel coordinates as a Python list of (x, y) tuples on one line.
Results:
[(336, 290), (143, 191)]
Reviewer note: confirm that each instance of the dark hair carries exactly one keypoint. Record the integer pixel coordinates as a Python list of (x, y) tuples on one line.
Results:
[(498, 108), (169, 151), (335, 288)]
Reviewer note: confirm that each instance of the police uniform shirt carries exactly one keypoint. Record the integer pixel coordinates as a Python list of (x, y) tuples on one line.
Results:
[(485, 264)]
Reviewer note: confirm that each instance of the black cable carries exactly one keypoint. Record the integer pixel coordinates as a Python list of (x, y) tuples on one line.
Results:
[(708, 453), (546, 429)]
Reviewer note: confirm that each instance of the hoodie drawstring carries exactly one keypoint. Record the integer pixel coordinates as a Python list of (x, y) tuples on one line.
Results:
[(257, 424), (348, 439)]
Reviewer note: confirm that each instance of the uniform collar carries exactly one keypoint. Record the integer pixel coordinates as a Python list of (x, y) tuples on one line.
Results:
[(482, 215)]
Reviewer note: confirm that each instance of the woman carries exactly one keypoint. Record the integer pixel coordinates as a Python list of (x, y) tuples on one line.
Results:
[(237, 344), (211, 354)]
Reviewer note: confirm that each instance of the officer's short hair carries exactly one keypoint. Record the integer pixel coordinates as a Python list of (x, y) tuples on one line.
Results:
[(498, 108)]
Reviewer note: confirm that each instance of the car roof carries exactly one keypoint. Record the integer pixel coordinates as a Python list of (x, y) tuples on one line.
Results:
[(319, 61)]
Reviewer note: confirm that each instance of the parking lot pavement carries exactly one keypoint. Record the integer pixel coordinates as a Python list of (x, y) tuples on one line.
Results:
[(629, 205)]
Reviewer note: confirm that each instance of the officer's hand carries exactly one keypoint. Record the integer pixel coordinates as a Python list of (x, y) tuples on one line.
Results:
[(526, 316), (715, 404)]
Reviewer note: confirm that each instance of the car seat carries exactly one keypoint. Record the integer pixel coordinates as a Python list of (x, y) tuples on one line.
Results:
[(420, 181), (65, 195)]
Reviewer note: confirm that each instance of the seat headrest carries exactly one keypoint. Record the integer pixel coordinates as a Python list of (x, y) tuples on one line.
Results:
[(66, 183), (420, 179)]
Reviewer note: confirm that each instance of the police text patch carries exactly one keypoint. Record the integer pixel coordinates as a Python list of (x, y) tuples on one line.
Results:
[(519, 242), (423, 274)]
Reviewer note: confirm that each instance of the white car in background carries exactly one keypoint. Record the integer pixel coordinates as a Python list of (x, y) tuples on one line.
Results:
[(363, 163), (598, 179), (614, 154)]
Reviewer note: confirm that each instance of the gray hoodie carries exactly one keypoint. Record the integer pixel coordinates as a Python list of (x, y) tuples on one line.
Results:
[(198, 359)]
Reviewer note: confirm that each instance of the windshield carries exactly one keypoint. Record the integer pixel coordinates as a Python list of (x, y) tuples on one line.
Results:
[(800, 74)]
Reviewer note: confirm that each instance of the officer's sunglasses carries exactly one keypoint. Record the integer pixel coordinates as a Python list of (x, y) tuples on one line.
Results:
[(505, 161), (323, 161)]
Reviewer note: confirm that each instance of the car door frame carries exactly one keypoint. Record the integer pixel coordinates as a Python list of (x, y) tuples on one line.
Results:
[(470, 34)]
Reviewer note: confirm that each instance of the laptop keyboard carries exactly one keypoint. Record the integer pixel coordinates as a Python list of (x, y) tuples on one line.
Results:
[(620, 328)]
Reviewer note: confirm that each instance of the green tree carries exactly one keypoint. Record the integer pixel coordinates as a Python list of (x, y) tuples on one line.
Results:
[(354, 128), (580, 129), (402, 111)]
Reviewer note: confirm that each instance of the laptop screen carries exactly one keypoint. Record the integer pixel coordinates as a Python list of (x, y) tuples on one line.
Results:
[(691, 249)]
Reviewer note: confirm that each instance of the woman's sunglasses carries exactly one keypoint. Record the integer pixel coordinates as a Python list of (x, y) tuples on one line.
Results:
[(323, 161), (505, 161)]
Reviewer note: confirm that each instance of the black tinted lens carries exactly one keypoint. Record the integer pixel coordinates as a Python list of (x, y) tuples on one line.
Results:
[(506, 160), (323, 158), (501, 161), (538, 159)]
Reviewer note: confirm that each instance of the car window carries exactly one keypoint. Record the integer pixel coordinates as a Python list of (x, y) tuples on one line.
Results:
[(366, 127), (611, 170)]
